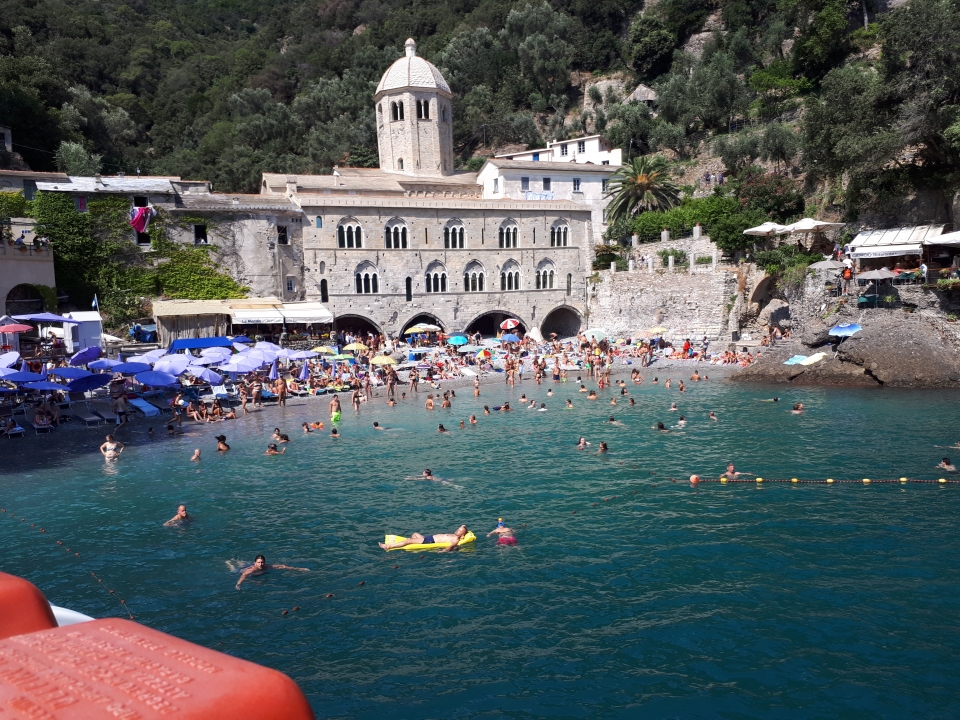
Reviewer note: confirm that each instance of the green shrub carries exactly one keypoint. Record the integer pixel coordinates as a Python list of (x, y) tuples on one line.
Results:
[(679, 256), (703, 260)]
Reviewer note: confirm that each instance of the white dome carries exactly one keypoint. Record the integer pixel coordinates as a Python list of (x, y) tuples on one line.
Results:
[(412, 71)]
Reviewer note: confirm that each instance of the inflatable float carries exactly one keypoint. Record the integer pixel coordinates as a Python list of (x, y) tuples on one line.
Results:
[(388, 539)]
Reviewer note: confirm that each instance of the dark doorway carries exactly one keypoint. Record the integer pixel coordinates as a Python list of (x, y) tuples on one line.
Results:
[(488, 324), (562, 321)]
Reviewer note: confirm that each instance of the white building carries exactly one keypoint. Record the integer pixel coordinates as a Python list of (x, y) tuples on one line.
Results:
[(588, 149)]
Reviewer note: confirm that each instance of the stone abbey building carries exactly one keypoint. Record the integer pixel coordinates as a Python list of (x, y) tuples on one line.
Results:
[(413, 240)]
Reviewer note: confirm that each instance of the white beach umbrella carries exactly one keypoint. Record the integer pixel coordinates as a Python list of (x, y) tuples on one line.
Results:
[(809, 225), (766, 229)]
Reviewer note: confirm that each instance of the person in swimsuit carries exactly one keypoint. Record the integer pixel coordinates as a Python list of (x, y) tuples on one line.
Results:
[(582, 443), (732, 474), (473, 419), (222, 443), (111, 449), (569, 404), (442, 429), (272, 450), (335, 409), (797, 409), (180, 518), (505, 534), (260, 566), (945, 464), (453, 539), (196, 455), (603, 447), (712, 416)]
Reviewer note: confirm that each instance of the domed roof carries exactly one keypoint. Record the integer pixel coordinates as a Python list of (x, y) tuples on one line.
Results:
[(412, 71)]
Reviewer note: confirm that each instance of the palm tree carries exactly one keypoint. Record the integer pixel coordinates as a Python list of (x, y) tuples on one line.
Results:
[(642, 184)]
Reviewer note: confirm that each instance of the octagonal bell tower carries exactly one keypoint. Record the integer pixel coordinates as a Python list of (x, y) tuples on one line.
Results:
[(414, 118)]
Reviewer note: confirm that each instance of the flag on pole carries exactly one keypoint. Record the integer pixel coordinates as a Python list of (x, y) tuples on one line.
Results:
[(95, 305)]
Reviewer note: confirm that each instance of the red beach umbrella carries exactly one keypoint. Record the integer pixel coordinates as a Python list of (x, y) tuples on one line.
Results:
[(15, 328), (509, 324)]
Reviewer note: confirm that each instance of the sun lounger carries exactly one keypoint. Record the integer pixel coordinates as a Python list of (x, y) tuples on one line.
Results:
[(220, 392), (16, 432), (103, 409), (82, 412), (161, 404), (30, 414), (143, 406)]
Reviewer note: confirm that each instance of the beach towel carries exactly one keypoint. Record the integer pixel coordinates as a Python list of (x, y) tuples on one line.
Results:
[(140, 218), (814, 359), (795, 360)]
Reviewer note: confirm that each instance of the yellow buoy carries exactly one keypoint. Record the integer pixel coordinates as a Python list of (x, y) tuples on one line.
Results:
[(794, 480), (903, 480), (829, 481), (759, 479), (942, 480), (866, 481), (723, 481)]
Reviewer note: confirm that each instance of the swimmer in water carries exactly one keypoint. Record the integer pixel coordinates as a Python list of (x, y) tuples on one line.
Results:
[(945, 464), (613, 401), (797, 409), (391, 402), (180, 518), (682, 422), (284, 438), (272, 450), (656, 381), (111, 449), (773, 399), (473, 419), (592, 395), (276, 434), (614, 422), (632, 402), (333, 433), (196, 456), (260, 566), (583, 388), (462, 425), (569, 404), (504, 534), (306, 428), (673, 407), (486, 410), (603, 448), (417, 539), (428, 475), (660, 426), (550, 392), (442, 429), (222, 443), (712, 416), (582, 443), (543, 407), (732, 474)]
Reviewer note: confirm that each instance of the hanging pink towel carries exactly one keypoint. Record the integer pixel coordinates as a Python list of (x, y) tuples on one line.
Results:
[(140, 218)]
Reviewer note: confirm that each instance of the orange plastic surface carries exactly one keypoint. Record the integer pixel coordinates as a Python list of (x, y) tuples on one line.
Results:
[(119, 669), (23, 608)]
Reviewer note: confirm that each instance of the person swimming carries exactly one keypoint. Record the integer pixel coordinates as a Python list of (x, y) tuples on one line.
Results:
[(611, 421), (260, 566), (945, 464), (661, 427), (632, 402), (569, 404), (682, 422), (504, 534), (732, 474), (180, 518), (306, 428), (453, 539), (442, 429), (196, 456), (543, 407), (222, 443), (797, 409), (712, 416), (582, 443), (603, 447), (272, 450), (673, 407), (473, 420)]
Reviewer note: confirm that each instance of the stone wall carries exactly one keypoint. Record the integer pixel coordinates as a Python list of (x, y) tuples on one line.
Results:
[(688, 305), (693, 247)]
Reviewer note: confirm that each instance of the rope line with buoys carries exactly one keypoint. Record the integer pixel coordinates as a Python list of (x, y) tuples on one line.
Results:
[(73, 554), (827, 481)]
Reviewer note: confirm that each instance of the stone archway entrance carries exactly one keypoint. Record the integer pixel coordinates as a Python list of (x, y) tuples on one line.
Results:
[(564, 321), (24, 299), (488, 324), (422, 319), (356, 324)]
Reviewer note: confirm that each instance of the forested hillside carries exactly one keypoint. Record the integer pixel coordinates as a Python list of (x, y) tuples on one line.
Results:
[(227, 89)]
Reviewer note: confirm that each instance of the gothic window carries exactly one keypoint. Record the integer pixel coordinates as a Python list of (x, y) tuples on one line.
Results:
[(473, 277), (409, 285), (559, 234), (569, 283), (453, 235), (396, 110), (510, 276), (367, 279), (324, 292), (395, 234), (509, 232), (545, 276), (349, 234), (423, 109), (436, 278), (399, 163)]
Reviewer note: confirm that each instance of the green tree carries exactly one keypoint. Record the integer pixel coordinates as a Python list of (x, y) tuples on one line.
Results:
[(539, 34), (651, 46), (737, 150), (779, 143), (727, 231), (641, 184), (823, 40), (776, 197), (74, 160)]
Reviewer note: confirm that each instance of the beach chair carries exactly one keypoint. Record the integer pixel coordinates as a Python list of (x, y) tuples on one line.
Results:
[(16, 432), (268, 395), (144, 407), (30, 414), (103, 409), (161, 404), (82, 412), (221, 393)]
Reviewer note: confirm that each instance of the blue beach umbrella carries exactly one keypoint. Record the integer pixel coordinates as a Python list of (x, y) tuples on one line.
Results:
[(304, 372), (240, 365), (509, 337), (845, 330), (89, 383), (88, 354), (43, 385), (241, 339), (457, 340), (172, 364), (24, 377), (6, 371), (157, 379), (103, 364), (273, 371), (71, 373), (9, 358), (204, 374), (46, 317), (131, 368)]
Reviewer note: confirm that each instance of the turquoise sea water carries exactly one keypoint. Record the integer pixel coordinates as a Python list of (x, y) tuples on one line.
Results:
[(730, 601)]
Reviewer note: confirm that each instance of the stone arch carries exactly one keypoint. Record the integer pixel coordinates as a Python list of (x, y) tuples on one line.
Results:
[(454, 235), (763, 292), (366, 278), (435, 277), (488, 323), (564, 320), (559, 233), (23, 299), (510, 279), (508, 234), (351, 321), (423, 317)]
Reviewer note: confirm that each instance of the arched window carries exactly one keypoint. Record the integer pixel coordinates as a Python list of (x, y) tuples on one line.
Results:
[(509, 232), (324, 294), (396, 110), (559, 233), (399, 163), (423, 109), (395, 234), (545, 275), (409, 284), (349, 234), (443, 114), (379, 113), (510, 276), (473, 277), (400, 106), (453, 235), (569, 283), (435, 280), (367, 279)]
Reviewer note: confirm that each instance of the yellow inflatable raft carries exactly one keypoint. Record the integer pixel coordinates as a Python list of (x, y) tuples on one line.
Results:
[(468, 538)]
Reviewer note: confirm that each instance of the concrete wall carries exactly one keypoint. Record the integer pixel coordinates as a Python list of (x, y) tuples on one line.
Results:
[(625, 303), (24, 266)]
